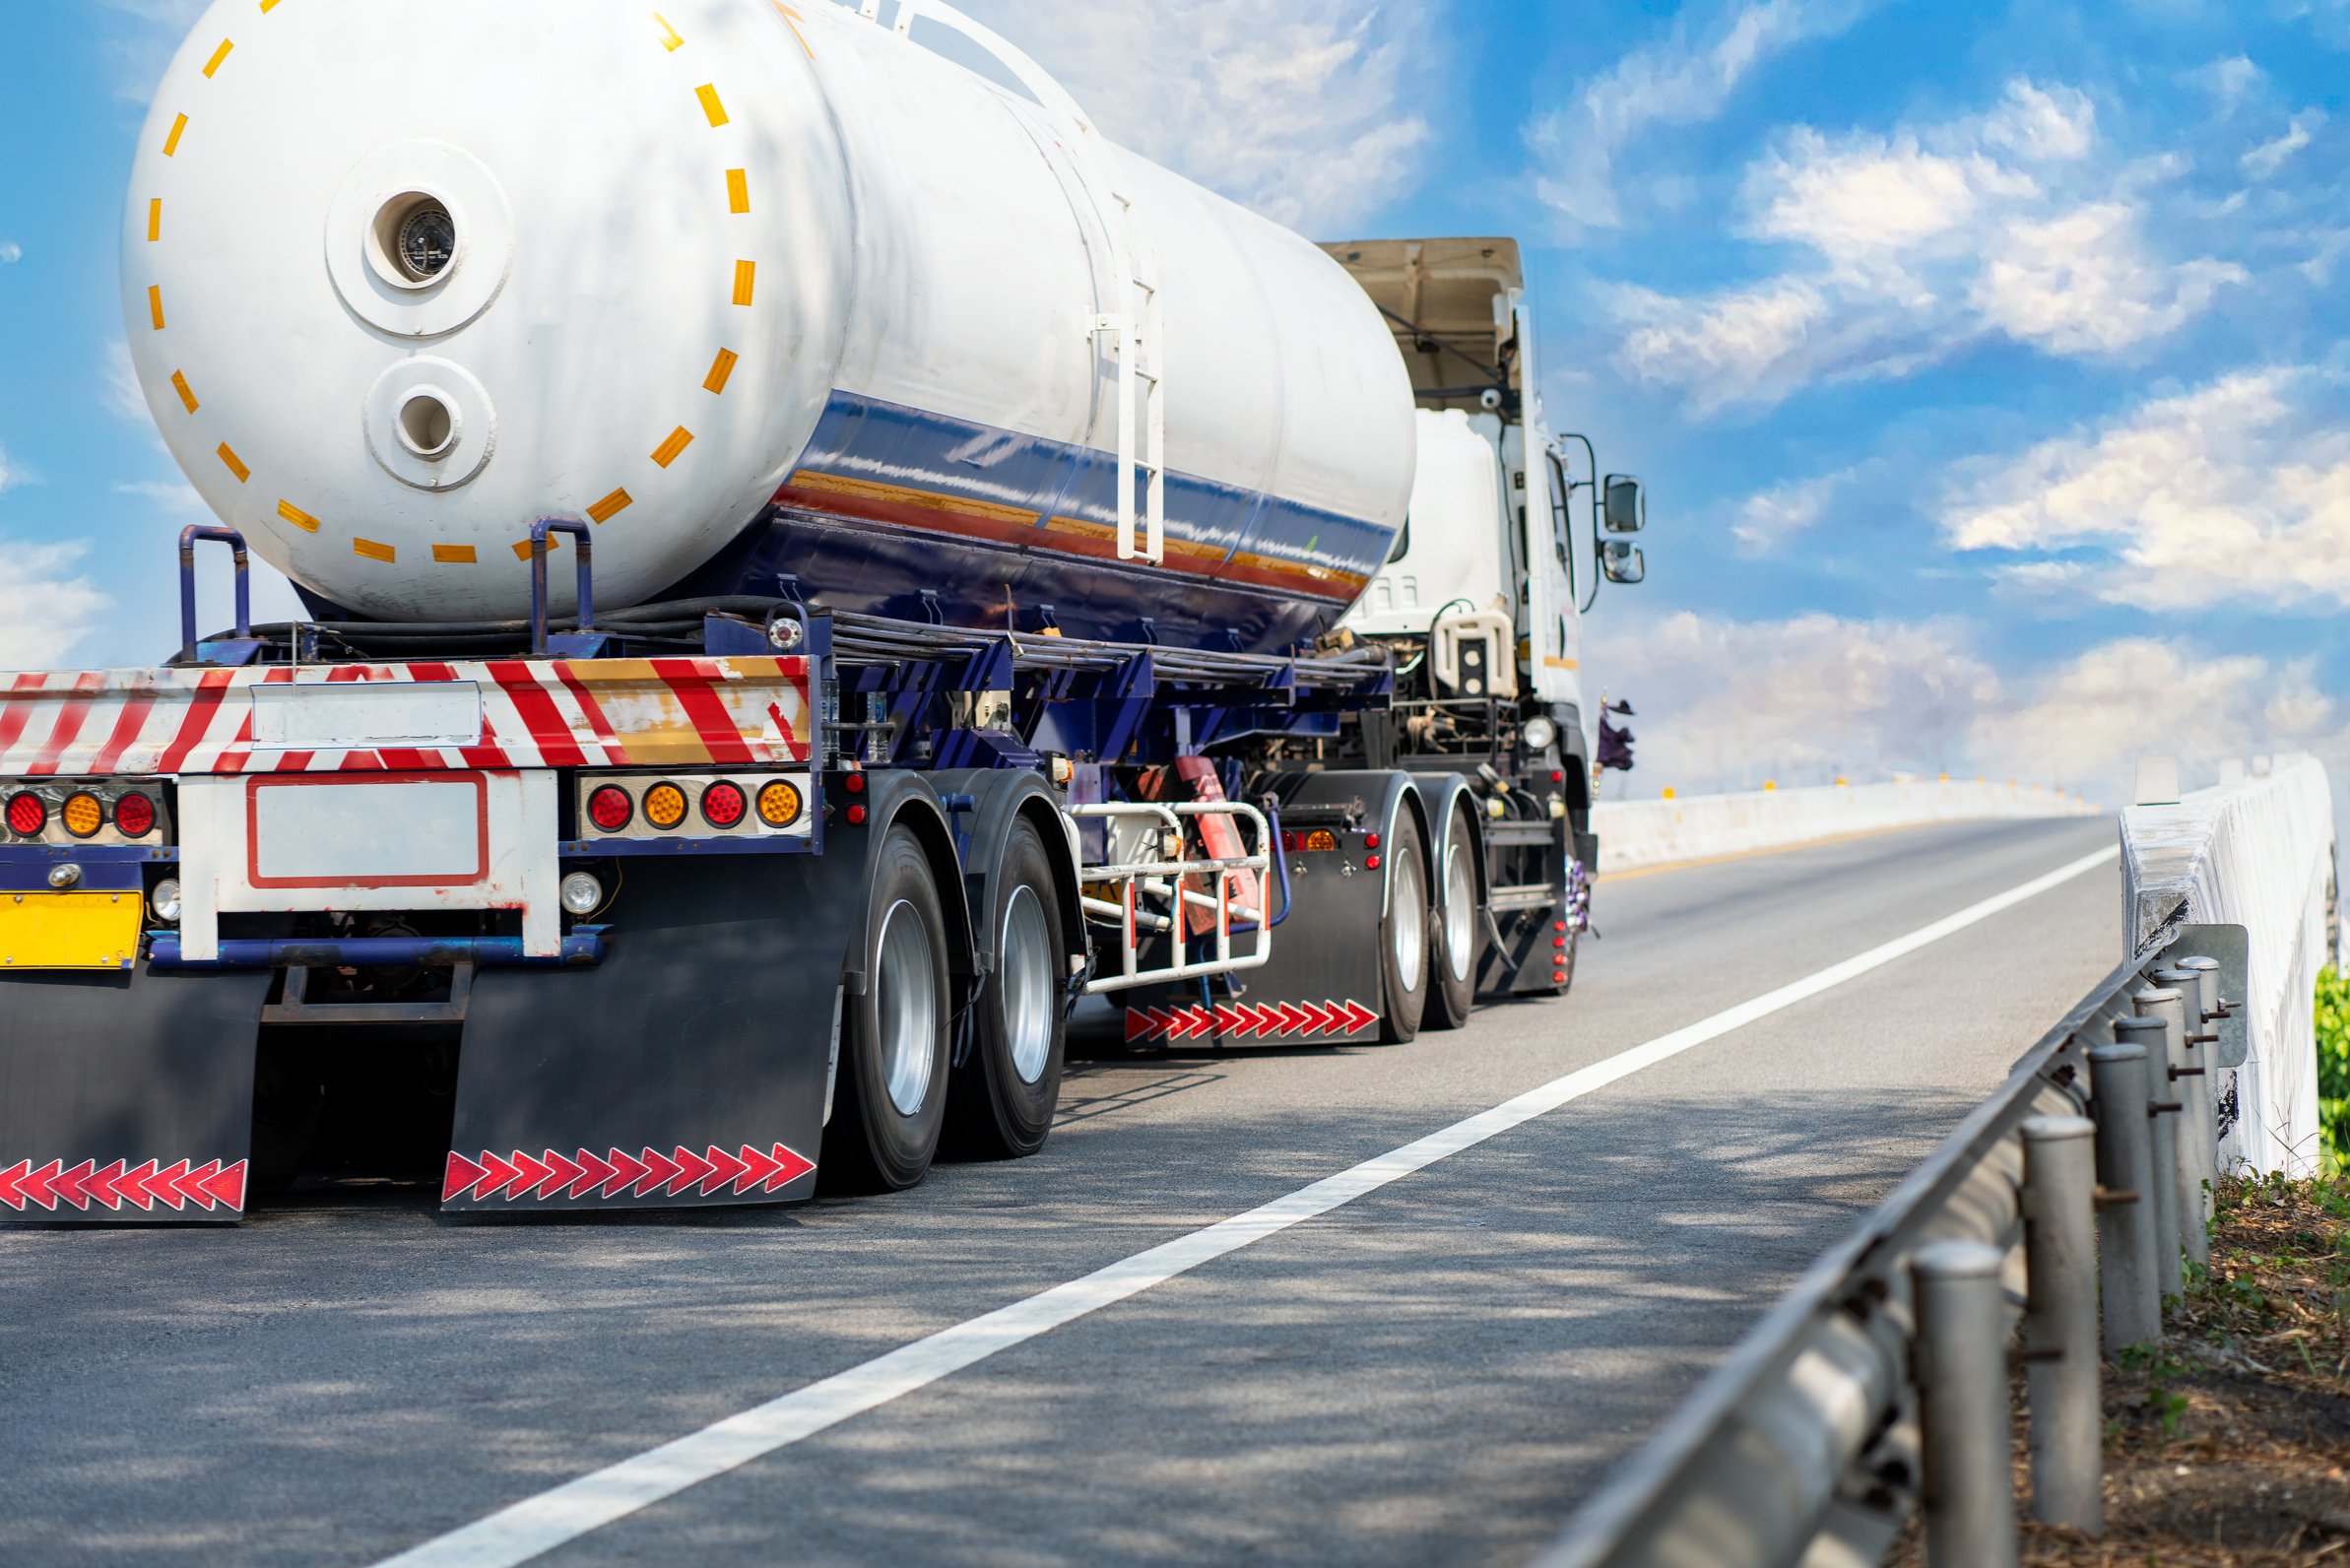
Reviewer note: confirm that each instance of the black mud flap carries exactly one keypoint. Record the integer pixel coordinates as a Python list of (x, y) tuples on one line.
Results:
[(127, 1098), (1322, 985), (689, 1069)]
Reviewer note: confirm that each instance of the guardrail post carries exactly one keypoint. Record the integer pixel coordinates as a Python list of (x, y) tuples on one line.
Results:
[(2153, 1036), (2199, 1127), (2068, 1425), (1962, 1398), (2125, 1198)]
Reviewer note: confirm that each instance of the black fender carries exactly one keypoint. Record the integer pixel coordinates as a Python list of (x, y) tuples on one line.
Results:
[(1000, 797), (1441, 795)]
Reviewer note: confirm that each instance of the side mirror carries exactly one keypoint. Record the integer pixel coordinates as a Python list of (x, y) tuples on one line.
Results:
[(1622, 561), (1627, 506)]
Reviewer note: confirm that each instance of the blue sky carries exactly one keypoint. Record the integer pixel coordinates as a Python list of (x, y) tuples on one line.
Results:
[(1988, 367)]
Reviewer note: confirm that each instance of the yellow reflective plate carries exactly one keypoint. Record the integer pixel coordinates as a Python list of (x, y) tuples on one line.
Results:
[(69, 931)]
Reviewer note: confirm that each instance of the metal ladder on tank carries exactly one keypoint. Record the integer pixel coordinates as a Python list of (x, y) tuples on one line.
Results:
[(1132, 335)]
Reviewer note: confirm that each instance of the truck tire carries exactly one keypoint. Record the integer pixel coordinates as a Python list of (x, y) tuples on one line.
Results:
[(1405, 949), (1460, 937), (890, 1100), (1002, 1100)]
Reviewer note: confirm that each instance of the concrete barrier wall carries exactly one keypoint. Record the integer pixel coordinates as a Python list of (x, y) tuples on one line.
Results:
[(1636, 834), (2258, 853)]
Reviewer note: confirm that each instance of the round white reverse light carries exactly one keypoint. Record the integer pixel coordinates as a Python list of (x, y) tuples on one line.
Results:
[(164, 901), (583, 895)]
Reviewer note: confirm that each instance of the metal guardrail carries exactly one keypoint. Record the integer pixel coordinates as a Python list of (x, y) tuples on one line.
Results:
[(1842, 1411)]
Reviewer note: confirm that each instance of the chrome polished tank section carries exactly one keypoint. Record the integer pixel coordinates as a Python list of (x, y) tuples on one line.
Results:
[(755, 290)]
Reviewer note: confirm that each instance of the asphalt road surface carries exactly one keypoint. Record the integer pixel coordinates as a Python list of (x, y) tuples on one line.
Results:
[(1435, 1372)]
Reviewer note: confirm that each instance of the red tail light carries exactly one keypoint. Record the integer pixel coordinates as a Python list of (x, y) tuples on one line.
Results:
[(134, 816), (27, 814), (723, 805), (610, 809)]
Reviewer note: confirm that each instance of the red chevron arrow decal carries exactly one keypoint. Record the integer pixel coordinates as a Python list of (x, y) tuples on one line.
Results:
[(520, 1175), (562, 1173), (626, 1169), (1359, 1017), (1317, 1021), (89, 1185)]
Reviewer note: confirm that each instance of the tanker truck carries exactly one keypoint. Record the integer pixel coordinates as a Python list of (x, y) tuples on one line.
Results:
[(815, 564)]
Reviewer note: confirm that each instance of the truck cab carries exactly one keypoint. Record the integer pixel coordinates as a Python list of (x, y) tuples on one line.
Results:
[(1510, 529)]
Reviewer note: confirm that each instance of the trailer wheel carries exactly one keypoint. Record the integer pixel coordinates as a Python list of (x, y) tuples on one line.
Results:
[(1003, 1098), (1403, 945), (1460, 933), (890, 1097)]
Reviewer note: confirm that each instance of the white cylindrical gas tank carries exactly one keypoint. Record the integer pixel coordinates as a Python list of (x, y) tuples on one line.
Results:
[(401, 278)]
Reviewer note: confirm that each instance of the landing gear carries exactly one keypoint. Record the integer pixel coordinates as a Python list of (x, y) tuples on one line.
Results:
[(1004, 1091), (891, 1096)]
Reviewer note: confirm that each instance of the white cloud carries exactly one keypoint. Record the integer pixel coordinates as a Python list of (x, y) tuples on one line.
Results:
[(1913, 244), (2262, 161), (171, 496), (124, 399), (2085, 282), (1315, 114), (1726, 704), (2087, 720), (2229, 79), (10, 253), (2237, 489), (45, 606), (1768, 518), (10, 474), (1686, 80)]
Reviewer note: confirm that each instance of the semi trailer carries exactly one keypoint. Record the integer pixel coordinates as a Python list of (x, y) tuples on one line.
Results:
[(815, 567)]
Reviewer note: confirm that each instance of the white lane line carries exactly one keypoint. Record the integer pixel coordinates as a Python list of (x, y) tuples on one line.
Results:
[(522, 1530)]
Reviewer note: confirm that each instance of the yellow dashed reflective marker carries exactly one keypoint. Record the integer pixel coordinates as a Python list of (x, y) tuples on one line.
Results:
[(235, 464), (179, 384), (455, 554), (267, 6), (374, 552), (155, 219), (708, 93), (611, 507), (721, 368), (738, 190), (155, 304), (669, 34), (298, 517), (218, 56), (666, 452), (745, 273), (172, 140)]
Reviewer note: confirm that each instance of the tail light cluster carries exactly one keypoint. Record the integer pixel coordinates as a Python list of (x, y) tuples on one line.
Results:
[(678, 806), (82, 811)]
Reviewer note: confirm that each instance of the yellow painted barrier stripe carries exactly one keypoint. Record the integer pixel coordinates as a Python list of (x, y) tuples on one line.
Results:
[(298, 517), (738, 190), (708, 93), (721, 369), (155, 219), (172, 140), (218, 56), (179, 384), (235, 464), (611, 507), (155, 304), (522, 550), (372, 550), (745, 273), (455, 554)]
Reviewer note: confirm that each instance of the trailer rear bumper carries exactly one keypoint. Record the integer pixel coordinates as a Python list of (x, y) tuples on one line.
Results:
[(582, 949)]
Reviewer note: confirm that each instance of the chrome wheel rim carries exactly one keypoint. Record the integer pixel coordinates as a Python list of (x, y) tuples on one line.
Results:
[(1459, 910), (1406, 919), (907, 1008), (1026, 982)]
